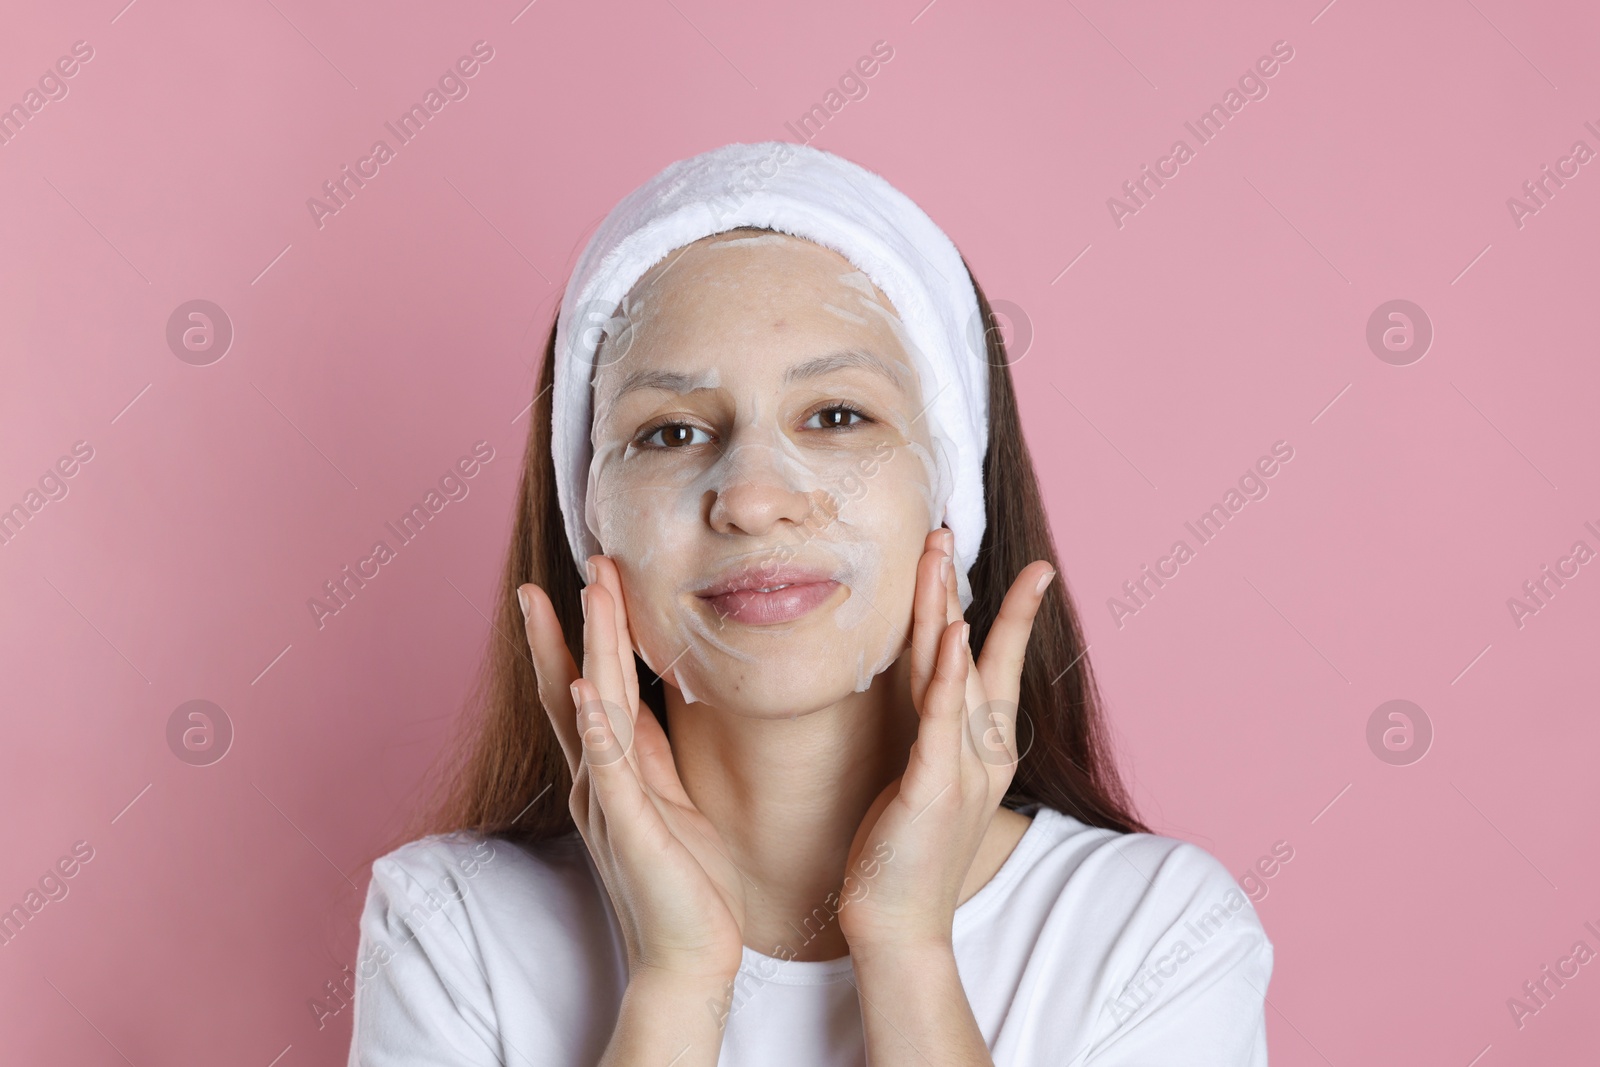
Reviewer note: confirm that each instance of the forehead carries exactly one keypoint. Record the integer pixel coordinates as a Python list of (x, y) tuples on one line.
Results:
[(723, 298), (754, 259)]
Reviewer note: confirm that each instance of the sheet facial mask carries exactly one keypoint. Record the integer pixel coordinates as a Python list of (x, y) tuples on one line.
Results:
[(761, 473), (808, 193)]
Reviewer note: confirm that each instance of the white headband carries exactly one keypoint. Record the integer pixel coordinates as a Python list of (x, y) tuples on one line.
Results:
[(809, 193)]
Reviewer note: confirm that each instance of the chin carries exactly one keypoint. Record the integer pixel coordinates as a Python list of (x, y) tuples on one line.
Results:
[(797, 678), (769, 701)]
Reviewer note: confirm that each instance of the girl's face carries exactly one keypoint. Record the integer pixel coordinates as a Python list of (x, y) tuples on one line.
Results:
[(762, 472)]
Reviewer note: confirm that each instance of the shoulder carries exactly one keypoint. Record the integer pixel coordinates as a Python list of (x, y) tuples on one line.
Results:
[(456, 926), (443, 861), (428, 860), (491, 890), (1179, 951), (1147, 877)]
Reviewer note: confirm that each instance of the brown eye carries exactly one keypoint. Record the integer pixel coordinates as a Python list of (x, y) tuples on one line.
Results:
[(837, 417), (674, 435)]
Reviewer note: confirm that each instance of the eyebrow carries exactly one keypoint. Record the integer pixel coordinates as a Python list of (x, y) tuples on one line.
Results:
[(667, 380), (816, 367), (848, 357)]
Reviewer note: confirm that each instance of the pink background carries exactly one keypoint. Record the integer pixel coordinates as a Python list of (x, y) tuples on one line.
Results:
[(1229, 313)]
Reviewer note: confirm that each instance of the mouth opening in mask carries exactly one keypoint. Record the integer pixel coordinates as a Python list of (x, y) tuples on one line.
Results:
[(765, 594)]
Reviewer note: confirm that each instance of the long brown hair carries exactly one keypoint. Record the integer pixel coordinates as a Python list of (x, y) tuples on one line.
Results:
[(506, 775)]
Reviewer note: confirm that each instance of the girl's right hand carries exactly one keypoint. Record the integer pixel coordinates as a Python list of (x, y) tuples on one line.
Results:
[(678, 897)]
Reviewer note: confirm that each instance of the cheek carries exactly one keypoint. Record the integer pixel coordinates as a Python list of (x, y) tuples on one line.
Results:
[(649, 531), (889, 503), (871, 628), (639, 524), (883, 524)]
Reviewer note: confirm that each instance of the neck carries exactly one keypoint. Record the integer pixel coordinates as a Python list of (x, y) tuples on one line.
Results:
[(787, 796)]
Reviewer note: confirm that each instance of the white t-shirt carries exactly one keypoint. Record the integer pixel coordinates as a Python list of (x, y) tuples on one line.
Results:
[(1087, 947)]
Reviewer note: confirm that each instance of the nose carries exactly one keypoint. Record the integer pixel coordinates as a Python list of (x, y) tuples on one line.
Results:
[(763, 491)]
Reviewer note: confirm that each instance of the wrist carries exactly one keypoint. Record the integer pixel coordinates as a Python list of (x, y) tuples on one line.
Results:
[(909, 955), (684, 1013), (670, 986)]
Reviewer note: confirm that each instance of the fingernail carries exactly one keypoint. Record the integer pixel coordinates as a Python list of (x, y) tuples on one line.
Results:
[(950, 541), (588, 570), (583, 603), (944, 568), (1045, 581), (522, 598), (576, 702), (966, 632)]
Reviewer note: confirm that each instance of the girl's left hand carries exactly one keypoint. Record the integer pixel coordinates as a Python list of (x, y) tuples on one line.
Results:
[(910, 858)]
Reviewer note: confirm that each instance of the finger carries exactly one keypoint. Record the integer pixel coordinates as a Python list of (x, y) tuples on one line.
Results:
[(553, 668), (928, 619), (607, 574), (939, 733), (602, 666), (615, 786), (622, 810), (975, 696), (653, 754), (648, 743), (993, 734), (1000, 665), (952, 590)]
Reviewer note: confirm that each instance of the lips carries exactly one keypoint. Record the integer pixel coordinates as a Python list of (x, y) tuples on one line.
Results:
[(759, 595)]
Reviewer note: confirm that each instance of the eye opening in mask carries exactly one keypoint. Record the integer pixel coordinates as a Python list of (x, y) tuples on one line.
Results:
[(641, 440)]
